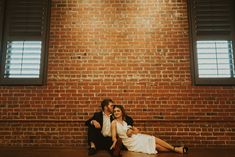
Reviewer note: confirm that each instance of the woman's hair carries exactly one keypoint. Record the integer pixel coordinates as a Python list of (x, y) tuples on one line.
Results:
[(122, 109)]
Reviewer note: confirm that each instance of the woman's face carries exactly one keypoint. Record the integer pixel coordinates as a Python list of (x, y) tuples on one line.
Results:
[(117, 112)]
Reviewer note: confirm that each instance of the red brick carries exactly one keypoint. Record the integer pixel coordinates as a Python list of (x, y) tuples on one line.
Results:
[(136, 53)]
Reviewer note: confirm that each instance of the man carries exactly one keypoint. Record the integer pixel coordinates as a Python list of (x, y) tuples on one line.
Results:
[(99, 129)]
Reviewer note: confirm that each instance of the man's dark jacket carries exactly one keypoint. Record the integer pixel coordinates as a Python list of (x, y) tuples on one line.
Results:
[(98, 116)]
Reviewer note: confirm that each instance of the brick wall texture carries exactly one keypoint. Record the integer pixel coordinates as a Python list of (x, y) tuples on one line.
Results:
[(133, 51)]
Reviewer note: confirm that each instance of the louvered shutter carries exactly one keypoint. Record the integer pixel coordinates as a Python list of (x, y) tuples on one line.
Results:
[(26, 18), (25, 39), (212, 34), (212, 18)]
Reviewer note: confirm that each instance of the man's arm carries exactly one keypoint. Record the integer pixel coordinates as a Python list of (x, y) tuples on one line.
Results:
[(94, 120), (88, 122)]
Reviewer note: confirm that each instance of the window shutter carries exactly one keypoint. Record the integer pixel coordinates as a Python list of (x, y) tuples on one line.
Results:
[(212, 18), (25, 38), (212, 41), (26, 18)]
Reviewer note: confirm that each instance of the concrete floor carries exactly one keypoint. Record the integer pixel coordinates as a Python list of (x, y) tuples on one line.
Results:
[(27, 152)]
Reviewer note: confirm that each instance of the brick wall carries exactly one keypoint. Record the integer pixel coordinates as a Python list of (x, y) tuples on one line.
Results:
[(133, 51)]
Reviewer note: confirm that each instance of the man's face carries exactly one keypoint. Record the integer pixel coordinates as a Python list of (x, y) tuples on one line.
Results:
[(110, 107)]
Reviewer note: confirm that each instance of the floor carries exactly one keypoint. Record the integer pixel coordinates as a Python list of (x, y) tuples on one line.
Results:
[(83, 153)]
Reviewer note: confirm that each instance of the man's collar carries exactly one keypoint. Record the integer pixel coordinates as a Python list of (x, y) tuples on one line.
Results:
[(106, 114)]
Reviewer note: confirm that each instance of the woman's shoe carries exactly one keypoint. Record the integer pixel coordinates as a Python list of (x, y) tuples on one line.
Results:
[(185, 150)]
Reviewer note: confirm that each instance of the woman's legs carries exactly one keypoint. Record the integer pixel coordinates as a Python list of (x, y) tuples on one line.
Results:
[(161, 148), (164, 146)]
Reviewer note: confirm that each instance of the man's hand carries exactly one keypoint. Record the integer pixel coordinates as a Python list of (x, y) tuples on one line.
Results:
[(96, 124), (129, 132), (135, 130), (132, 131)]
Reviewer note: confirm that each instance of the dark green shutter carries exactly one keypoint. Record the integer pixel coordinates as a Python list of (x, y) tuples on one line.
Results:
[(25, 36), (213, 18), (26, 18), (212, 25)]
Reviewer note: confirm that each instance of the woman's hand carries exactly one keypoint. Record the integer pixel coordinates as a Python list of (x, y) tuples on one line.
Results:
[(113, 145)]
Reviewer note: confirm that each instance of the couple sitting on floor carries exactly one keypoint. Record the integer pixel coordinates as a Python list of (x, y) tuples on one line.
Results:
[(111, 128)]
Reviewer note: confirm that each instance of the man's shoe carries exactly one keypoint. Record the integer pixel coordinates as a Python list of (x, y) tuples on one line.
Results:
[(91, 151)]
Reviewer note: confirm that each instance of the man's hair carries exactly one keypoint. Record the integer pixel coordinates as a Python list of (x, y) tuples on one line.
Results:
[(106, 102)]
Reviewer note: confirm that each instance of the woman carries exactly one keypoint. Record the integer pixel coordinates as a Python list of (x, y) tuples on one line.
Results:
[(133, 140)]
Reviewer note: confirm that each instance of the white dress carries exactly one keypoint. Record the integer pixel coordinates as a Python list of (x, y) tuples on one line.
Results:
[(137, 142)]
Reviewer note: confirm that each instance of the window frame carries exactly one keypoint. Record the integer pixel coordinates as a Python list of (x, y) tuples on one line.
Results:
[(1, 27), (44, 50), (193, 38)]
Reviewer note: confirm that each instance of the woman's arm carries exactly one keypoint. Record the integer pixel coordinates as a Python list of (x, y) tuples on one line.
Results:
[(114, 134)]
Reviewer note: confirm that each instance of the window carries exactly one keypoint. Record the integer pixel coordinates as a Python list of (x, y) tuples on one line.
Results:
[(23, 41), (215, 59), (212, 38), (23, 59)]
